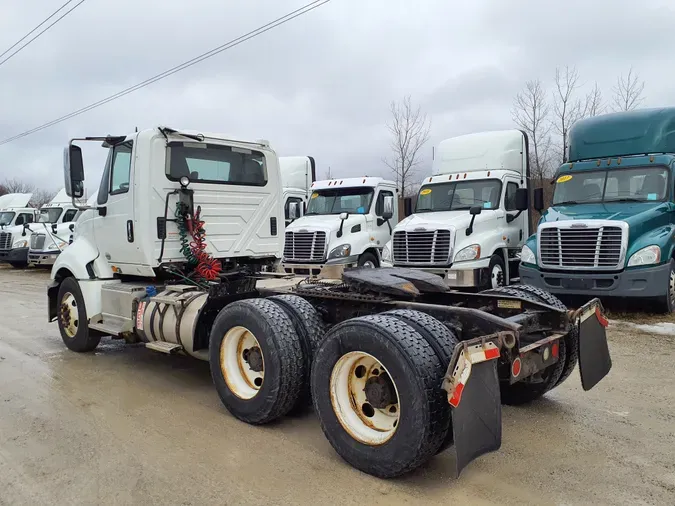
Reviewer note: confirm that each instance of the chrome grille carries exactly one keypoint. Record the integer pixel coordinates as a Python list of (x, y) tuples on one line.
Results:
[(305, 246), (5, 240), (590, 247), (421, 248), (37, 241)]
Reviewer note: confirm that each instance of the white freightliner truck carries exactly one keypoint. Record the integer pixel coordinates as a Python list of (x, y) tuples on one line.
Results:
[(51, 234), (471, 217), (297, 175), (398, 367), (14, 239), (346, 224)]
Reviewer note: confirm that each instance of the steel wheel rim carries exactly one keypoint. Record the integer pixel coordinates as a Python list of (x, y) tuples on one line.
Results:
[(368, 264), (671, 288), (495, 274), (68, 315), (237, 364), (369, 425)]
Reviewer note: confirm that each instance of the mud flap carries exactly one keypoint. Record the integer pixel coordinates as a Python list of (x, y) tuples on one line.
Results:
[(594, 360), (472, 384), (477, 420)]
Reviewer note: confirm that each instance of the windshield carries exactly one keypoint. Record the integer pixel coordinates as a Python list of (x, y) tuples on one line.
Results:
[(342, 200), (6, 218), (639, 184), (50, 215), (460, 195)]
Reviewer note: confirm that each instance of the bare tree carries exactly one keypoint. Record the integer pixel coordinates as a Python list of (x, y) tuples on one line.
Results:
[(594, 104), (3, 190), (409, 130), (530, 112), (628, 91), (17, 186), (41, 197), (567, 108)]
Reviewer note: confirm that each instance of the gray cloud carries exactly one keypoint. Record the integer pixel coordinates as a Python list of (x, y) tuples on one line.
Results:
[(318, 85)]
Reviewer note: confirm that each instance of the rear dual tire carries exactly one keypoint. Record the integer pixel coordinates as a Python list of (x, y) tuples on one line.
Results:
[(407, 408), (530, 389)]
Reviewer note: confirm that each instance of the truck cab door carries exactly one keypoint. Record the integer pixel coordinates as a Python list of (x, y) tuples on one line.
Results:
[(380, 228), (114, 225), (516, 229)]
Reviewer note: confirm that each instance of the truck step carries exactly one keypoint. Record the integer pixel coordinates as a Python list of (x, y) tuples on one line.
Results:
[(164, 347), (111, 325)]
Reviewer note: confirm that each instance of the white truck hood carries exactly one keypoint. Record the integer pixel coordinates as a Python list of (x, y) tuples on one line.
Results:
[(445, 220), (329, 223)]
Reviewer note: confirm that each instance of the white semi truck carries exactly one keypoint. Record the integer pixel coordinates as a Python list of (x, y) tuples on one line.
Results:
[(297, 175), (398, 367), (51, 234), (471, 217), (347, 223), (14, 215)]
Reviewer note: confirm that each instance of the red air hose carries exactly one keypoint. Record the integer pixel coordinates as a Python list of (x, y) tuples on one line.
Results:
[(207, 266)]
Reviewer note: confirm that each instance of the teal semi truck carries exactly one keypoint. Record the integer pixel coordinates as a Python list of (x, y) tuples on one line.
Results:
[(610, 229)]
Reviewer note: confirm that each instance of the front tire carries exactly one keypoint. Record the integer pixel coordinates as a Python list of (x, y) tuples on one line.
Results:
[(368, 260), (72, 318), (376, 391), (256, 360), (496, 273), (666, 303)]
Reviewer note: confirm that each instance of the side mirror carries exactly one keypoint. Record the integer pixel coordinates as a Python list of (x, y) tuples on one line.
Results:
[(73, 169), (522, 199), (293, 210), (539, 199), (388, 211), (71, 226), (475, 210), (344, 216), (53, 228)]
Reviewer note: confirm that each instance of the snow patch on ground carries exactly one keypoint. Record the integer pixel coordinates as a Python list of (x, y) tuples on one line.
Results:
[(663, 328)]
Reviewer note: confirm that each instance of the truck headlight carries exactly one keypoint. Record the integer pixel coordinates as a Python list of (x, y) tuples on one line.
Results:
[(527, 256), (21, 243), (646, 256), (343, 250), (469, 253), (386, 252)]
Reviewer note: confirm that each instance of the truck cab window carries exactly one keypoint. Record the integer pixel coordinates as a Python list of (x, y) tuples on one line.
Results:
[(24, 218), (212, 163), (379, 205), (458, 196), (510, 196), (121, 168), (69, 215)]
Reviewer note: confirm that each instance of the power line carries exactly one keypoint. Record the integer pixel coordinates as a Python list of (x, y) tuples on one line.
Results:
[(204, 56), (36, 28)]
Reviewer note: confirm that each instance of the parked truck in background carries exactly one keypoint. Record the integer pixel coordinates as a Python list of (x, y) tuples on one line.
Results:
[(297, 175), (397, 367), (345, 225), (471, 216), (610, 229), (14, 215), (53, 230)]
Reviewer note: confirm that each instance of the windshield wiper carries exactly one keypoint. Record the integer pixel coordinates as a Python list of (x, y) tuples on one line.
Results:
[(566, 203), (626, 199)]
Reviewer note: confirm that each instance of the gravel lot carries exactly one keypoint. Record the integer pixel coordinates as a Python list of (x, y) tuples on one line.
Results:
[(126, 425)]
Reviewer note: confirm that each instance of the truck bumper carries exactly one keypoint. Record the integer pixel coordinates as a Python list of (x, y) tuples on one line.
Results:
[(331, 269), (16, 255), (42, 257), (646, 282), (464, 275)]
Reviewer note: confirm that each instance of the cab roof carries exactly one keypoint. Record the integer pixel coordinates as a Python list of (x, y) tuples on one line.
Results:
[(641, 132)]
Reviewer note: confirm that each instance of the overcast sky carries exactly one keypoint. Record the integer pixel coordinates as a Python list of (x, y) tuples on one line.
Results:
[(319, 85)]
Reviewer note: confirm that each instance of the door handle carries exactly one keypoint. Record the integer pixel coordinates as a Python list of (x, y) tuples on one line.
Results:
[(130, 231)]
